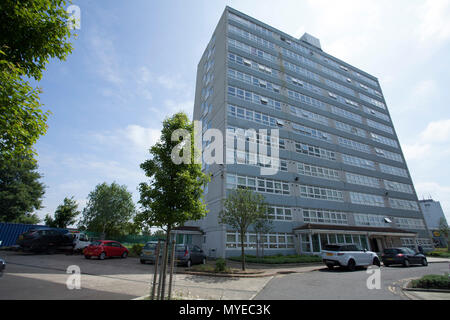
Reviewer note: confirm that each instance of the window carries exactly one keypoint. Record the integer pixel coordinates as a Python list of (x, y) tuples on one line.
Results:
[(270, 241), (358, 162), (413, 224), (354, 145), (315, 151), (258, 184), (279, 213), (397, 186), (403, 204), (253, 97), (362, 180), (369, 220), (310, 132), (393, 170), (322, 216), (315, 171), (321, 193), (366, 199)]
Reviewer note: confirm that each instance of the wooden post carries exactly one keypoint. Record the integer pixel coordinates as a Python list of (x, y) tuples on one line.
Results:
[(155, 274)]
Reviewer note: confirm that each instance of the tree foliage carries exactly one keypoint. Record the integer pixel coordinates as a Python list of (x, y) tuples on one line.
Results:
[(444, 229), (109, 210), (242, 208), (261, 227), (65, 214), (21, 191), (31, 33), (174, 193)]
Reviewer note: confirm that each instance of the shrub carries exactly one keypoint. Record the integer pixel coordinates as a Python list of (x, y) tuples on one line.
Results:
[(221, 265), (136, 249), (432, 281)]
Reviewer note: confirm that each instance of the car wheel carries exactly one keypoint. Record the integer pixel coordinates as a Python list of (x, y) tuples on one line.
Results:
[(376, 262), (143, 261), (351, 266), (406, 263), (204, 261), (424, 262), (189, 263), (102, 256), (87, 257), (330, 267), (124, 255)]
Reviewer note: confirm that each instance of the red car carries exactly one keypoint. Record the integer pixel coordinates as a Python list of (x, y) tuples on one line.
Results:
[(105, 248)]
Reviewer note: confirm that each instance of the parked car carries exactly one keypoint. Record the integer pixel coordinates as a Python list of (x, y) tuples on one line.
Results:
[(188, 254), (105, 248), (348, 256), (2, 266), (45, 239), (403, 256), (149, 252), (80, 241)]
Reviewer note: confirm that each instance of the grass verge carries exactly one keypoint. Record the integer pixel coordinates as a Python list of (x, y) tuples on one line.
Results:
[(432, 281)]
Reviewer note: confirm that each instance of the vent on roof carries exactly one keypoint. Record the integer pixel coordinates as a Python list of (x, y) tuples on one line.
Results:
[(311, 40)]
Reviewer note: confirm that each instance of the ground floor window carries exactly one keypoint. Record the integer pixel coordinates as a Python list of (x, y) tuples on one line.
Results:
[(315, 243), (182, 238), (411, 243), (269, 241)]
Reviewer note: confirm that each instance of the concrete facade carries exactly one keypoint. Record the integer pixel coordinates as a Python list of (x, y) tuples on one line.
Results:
[(341, 162), (433, 213)]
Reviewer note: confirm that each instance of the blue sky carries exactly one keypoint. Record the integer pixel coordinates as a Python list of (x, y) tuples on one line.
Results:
[(134, 63)]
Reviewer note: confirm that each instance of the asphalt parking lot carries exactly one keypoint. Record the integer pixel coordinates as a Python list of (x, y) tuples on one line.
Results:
[(44, 276)]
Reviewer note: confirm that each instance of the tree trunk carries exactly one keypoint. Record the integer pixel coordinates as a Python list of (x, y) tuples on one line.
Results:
[(164, 271), (242, 251)]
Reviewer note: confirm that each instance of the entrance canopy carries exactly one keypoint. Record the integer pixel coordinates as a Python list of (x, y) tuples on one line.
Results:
[(369, 231)]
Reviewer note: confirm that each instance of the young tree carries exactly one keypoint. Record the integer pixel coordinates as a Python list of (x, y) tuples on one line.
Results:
[(31, 32), (262, 226), (243, 208), (65, 214), (21, 191), (174, 193), (109, 210), (444, 229)]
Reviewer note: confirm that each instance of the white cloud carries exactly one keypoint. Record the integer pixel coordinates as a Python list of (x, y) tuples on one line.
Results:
[(437, 132), (435, 22)]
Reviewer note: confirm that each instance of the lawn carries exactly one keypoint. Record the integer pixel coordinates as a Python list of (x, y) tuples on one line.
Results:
[(279, 259)]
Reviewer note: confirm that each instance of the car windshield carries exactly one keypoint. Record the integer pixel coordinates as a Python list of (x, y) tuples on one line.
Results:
[(180, 248), (96, 243), (150, 246)]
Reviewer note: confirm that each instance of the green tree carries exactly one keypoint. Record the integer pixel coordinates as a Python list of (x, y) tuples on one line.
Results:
[(65, 214), (31, 33), (174, 193), (242, 208), (21, 191), (444, 229), (262, 227), (109, 210)]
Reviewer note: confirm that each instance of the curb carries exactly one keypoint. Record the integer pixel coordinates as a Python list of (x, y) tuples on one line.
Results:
[(227, 275)]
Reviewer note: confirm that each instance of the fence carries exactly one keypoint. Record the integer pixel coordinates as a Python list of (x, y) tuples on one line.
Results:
[(124, 239)]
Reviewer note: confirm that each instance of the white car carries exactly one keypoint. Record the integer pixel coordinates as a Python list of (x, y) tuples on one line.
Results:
[(349, 256), (81, 241)]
